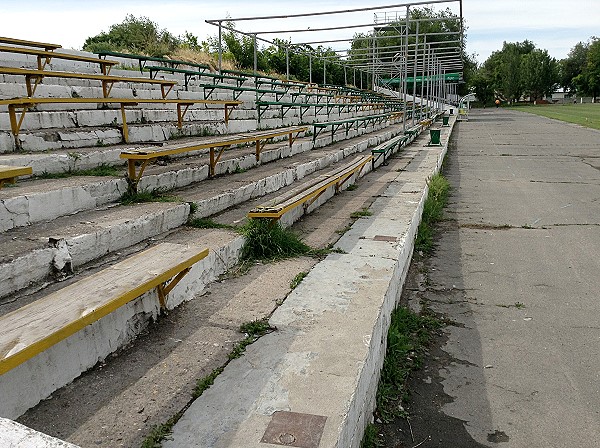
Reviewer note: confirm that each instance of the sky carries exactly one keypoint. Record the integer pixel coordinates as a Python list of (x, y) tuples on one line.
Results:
[(554, 25)]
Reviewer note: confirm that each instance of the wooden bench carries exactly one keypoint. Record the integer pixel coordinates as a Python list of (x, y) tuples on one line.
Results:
[(9, 174), (29, 43), (387, 148), (23, 104), (274, 84), (188, 74), (413, 131), (263, 106), (107, 80), (308, 193), (143, 59), (237, 91), (215, 145), (35, 327), (45, 57)]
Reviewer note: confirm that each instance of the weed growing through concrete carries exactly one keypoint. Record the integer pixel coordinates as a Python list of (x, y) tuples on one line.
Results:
[(267, 240), (158, 195), (298, 279), (101, 170), (408, 337), (433, 209), (371, 437), (352, 187), (206, 223), (204, 383), (158, 433), (363, 213), (253, 330)]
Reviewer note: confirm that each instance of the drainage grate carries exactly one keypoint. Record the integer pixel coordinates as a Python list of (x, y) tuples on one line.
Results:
[(295, 429)]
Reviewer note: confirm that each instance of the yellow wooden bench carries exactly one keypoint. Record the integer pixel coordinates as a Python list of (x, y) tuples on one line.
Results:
[(214, 144), (107, 81), (23, 104), (35, 327), (29, 43), (308, 193), (9, 174), (45, 57)]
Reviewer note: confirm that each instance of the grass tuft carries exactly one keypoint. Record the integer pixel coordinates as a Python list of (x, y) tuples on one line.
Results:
[(130, 197), (298, 279), (408, 337), (433, 210), (361, 213), (101, 170), (207, 223), (371, 438), (267, 240), (253, 330)]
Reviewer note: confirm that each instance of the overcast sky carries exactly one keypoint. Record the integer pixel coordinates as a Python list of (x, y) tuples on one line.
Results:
[(556, 25)]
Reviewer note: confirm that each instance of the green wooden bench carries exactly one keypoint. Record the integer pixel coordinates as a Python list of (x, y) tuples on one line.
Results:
[(307, 193), (34, 328), (107, 81), (349, 123), (263, 106), (385, 149), (189, 74), (237, 91), (143, 60), (9, 174)]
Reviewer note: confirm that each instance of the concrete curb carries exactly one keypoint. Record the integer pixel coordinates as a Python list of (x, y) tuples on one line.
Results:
[(326, 355)]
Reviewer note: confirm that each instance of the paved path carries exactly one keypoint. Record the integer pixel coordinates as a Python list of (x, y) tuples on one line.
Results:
[(518, 269)]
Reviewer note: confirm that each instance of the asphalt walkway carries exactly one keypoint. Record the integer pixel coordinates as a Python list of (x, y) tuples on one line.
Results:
[(518, 270)]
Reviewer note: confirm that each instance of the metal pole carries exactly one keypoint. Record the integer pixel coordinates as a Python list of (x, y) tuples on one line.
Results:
[(404, 85), (220, 48), (310, 68), (415, 75), (287, 62), (255, 55), (345, 76), (423, 69), (324, 70)]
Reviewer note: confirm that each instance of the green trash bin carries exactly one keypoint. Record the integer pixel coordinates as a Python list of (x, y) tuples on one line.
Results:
[(435, 137), (445, 120)]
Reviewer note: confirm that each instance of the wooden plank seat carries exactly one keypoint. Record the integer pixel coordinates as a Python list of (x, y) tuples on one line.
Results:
[(35, 327), (413, 132), (143, 60), (189, 74), (21, 105), (245, 74), (34, 77), (9, 174), (29, 43), (307, 96), (215, 145), (356, 122), (45, 57), (263, 106), (387, 148), (274, 84), (307, 193)]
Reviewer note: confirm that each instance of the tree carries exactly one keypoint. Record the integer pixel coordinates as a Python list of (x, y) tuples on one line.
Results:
[(135, 35), (539, 74), (573, 65), (588, 82)]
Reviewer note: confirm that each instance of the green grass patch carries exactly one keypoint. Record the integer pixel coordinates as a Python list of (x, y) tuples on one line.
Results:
[(433, 210), (352, 187), (297, 279), (583, 114), (204, 383), (130, 197), (363, 213), (268, 240), (408, 337), (371, 437), (158, 433), (253, 330), (207, 223), (101, 170)]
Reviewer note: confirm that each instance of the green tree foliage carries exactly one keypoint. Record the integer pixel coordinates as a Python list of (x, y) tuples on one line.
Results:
[(539, 74), (518, 69), (135, 35), (573, 65), (588, 81)]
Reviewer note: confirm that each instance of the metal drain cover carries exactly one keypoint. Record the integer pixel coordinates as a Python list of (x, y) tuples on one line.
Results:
[(294, 429)]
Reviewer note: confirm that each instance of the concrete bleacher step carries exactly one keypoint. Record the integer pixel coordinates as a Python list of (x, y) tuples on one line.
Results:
[(27, 202), (63, 245)]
